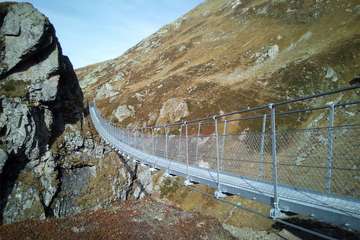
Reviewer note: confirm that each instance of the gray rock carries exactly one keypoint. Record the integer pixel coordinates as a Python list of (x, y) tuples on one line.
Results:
[(145, 184), (330, 74), (20, 127), (123, 112), (105, 91), (25, 29), (173, 110), (3, 159), (77, 229), (270, 52), (50, 98), (152, 118), (47, 173), (73, 182), (23, 203)]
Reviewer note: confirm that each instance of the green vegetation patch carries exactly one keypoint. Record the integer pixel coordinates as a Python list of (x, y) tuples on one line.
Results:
[(13, 88), (169, 187)]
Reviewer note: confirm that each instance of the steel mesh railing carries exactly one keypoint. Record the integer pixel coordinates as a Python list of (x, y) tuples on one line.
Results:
[(302, 155), (321, 158)]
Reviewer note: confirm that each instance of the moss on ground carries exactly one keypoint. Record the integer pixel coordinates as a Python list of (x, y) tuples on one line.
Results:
[(169, 187), (173, 190), (14, 88)]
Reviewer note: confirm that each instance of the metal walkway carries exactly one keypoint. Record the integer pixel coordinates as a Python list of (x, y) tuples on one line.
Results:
[(313, 172)]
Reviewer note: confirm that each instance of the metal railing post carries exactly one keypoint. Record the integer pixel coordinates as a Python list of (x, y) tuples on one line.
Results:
[(330, 146), (187, 180), (153, 140), (187, 149), (143, 140), (153, 147), (218, 193), (166, 143), (180, 139), (223, 145), (275, 211), (197, 143), (262, 147)]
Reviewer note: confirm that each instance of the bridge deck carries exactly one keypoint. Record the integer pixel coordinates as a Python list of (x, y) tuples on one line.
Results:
[(327, 208)]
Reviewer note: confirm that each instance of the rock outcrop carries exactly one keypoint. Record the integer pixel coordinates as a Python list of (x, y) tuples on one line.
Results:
[(123, 112), (39, 95), (173, 110)]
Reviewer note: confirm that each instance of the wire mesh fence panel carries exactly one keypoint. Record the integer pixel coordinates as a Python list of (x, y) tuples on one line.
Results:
[(160, 143), (176, 149), (348, 115), (207, 152), (148, 144), (302, 158), (345, 179), (242, 155), (192, 149)]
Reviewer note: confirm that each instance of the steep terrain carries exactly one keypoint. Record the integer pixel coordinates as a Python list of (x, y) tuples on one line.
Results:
[(225, 55), (220, 57)]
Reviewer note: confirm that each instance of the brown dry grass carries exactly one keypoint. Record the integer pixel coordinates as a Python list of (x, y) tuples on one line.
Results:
[(209, 60), (131, 220)]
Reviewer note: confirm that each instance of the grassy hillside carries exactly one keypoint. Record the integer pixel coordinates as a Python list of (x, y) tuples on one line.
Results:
[(224, 55)]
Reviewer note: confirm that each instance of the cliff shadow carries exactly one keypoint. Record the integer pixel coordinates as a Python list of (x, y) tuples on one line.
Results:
[(134, 178)]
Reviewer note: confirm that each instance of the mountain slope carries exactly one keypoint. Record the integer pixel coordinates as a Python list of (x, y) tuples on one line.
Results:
[(225, 55)]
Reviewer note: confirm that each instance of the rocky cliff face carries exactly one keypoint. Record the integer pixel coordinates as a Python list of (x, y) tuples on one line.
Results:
[(39, 95)]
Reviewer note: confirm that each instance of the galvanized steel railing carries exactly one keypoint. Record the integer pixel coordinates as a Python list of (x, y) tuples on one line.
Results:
[(298, 153)]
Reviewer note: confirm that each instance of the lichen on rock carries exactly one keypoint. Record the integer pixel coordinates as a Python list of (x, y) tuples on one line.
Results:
[(39, 94)]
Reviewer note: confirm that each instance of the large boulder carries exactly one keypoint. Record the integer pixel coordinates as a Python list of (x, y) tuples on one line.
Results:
[(123, 112), (26, 33), (173, 110), (39, 95)]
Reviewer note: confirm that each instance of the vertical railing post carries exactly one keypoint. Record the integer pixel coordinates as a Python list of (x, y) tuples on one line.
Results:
[(153, 148), (143, 140), (180, 140), (187, 149), (167, 150), (218, 193), (275, 211), (262, 148), (223, 145), (187, 181), (197, 143), (166, 143), (330, 146), (153, 140)]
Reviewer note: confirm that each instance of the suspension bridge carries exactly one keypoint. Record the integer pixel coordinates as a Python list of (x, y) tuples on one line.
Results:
[(298, 156)]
